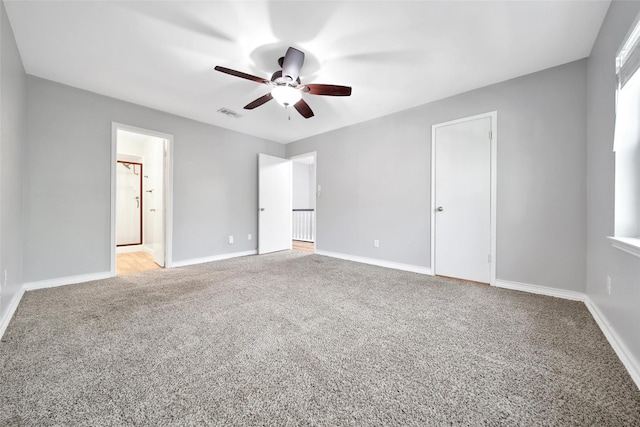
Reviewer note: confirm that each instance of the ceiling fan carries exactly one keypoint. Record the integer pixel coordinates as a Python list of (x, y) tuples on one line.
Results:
[(286, 87)]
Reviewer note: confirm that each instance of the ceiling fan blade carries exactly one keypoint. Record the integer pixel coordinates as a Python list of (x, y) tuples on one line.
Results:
[(292, 63), (258, 102), (241, 74), (303, 108), (330, 90)]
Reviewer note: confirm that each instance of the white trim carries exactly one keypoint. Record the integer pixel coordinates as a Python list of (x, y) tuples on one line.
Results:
[(309, 154), (378, 262), (168, 201), (541, 290), (625, 356), (193, 261), (8, 315), (129, 248), (168, 190), (494, 195), (626, 244), (129, 158), (62, 281), (133, 248), (493, 116), (114, 162)]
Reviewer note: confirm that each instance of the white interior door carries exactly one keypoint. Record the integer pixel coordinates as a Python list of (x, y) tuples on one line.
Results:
[(462, 208), (274, 204)]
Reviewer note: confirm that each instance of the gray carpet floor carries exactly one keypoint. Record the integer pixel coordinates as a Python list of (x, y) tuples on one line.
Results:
[(298, 339)]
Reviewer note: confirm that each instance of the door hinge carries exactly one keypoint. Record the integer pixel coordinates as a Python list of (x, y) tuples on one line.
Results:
[(489, 258), (490, 135)]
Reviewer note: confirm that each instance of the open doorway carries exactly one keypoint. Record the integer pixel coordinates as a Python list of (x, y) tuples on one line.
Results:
[(141, 194), (303, 196)]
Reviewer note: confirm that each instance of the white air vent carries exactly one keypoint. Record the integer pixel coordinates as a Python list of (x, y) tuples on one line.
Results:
[(229, 113)]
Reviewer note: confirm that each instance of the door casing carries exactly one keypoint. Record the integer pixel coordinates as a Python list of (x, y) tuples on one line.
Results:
[(493, 115)]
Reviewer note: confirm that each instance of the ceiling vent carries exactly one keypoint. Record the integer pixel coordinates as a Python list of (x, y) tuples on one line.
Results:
[(229, 113)]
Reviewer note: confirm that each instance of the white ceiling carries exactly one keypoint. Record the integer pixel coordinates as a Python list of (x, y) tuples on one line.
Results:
[(395, 54)]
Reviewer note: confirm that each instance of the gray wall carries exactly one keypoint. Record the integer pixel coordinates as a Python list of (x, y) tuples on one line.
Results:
[(375, 179), (621, 308), (68, 179), (12, 140)]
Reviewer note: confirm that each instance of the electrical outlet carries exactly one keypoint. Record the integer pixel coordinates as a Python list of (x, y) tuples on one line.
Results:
[(231, 240), (609, 285), (376, 243), (249, 237)]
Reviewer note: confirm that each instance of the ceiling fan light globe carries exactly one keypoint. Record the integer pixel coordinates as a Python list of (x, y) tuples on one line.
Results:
[(286, 95)]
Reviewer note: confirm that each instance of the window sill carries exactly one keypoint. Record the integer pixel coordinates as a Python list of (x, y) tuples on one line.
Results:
[(629, 245)]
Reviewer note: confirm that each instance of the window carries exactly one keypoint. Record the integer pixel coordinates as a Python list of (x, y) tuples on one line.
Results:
[(627, 141)]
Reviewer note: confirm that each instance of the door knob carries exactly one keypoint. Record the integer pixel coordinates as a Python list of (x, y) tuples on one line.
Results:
[(261, 209), (439, 208)]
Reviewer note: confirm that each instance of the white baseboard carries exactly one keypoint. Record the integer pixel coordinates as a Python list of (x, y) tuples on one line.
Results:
[(6, 318), (130, 248), (378, 262), (61, 281), (625, 356), (541, 290), (194, 261)]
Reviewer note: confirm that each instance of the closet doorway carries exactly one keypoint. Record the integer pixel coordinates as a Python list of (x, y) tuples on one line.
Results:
[(129, 203), (463, 198), (141, 183)]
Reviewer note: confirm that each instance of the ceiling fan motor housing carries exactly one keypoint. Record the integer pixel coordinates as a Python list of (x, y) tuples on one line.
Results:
[(278, 78)]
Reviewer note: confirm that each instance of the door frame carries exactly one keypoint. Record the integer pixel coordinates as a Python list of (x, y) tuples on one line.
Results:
[(168, 189), (493, 116)]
